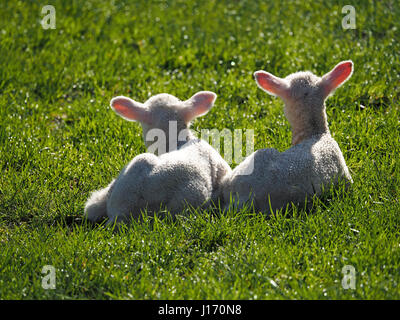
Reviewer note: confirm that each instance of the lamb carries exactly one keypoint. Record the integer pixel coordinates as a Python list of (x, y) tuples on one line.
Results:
[(186, 171), (313, 162)]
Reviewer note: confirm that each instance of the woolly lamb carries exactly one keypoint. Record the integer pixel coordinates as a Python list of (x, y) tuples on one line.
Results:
[(190, 172), (314, 161)]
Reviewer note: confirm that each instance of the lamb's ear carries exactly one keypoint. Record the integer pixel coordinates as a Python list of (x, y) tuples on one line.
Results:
[(336, 77), (272, 84), (198, 105), (130, 109)]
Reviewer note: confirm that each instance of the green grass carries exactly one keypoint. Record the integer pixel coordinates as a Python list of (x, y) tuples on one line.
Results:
[(59, 140)]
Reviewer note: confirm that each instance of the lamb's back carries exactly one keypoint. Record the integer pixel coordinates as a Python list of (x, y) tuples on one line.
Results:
[(290, 176), (305, 169), (174, 179)]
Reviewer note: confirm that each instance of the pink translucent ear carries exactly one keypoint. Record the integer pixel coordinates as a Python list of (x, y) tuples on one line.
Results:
[(198, 105), (272, 84), (130, 109), (336, 77)]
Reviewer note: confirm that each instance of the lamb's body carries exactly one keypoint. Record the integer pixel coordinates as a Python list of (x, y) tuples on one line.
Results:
[(189, 174), (291, 176), (313, 163)]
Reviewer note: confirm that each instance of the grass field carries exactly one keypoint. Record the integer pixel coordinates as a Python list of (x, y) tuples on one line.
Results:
[(59, 140)]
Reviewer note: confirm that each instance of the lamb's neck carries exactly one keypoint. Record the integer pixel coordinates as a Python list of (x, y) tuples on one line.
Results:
[(306, 127)]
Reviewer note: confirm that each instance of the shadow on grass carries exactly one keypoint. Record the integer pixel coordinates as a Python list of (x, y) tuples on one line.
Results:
[(209, 228)]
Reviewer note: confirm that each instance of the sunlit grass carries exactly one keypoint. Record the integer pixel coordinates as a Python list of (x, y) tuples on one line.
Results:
[(59, 140)]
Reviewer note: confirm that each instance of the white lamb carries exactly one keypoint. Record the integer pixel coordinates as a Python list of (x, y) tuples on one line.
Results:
[(190, 173), (315, 160)]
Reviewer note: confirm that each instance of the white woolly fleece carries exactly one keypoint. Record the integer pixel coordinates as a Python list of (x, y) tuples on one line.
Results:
[(190, 174), (315, 161)]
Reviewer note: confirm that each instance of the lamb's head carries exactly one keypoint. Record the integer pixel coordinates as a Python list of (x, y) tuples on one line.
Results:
[(164, 114), (304, 95)]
